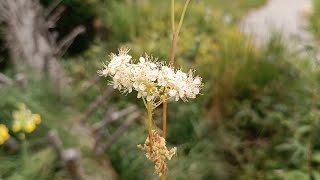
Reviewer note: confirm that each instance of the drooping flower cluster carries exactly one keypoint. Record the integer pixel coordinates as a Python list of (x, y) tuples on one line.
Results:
[(152, 80), (4, 133), (24, 120), (157, 151)]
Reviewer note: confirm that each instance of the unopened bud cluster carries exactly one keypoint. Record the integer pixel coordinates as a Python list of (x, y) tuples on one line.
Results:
[(156, 150), (152, 80)]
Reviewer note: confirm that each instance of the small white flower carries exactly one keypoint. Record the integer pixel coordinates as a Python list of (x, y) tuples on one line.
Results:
[(125, 58), (172, 92), (144, 93), (196, 90), (149, 98), (142, 60), (197, 81), (135, 85), (105, 72), (142, 87), (152, 65), (117, 75)]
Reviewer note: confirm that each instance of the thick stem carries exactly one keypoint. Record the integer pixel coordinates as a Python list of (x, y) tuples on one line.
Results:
[(163, 176), (149, 109)]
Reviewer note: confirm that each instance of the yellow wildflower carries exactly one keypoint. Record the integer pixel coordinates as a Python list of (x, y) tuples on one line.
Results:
[(37, 118), (4, 133), (29, 127), (24, 120), (16, 127)]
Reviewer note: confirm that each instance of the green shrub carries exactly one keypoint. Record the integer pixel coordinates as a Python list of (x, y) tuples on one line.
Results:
[(315, 19)]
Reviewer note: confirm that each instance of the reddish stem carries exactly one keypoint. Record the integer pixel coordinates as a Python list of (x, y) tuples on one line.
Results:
[(164, 119), (171, 63)]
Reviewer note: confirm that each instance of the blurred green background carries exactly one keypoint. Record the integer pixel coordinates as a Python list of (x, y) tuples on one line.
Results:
[(257, 117)]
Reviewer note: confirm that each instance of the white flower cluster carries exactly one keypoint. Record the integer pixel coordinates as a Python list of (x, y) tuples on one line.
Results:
[(152, 80)]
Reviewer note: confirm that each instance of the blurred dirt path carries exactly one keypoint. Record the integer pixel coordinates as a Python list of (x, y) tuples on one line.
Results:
[(289, 17)]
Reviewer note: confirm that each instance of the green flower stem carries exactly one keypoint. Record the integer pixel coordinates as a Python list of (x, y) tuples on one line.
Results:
[(24, 150), (149, 109), (182, 16), (175, 33), (144, 102), (172, 16)]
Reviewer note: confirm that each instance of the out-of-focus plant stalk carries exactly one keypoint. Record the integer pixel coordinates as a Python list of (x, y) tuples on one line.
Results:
[(24, 149), (172, 16), (175, 35), (182, 16)]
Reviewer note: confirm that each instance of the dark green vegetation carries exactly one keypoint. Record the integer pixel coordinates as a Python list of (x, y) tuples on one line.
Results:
[(314, 19), (258, 117)]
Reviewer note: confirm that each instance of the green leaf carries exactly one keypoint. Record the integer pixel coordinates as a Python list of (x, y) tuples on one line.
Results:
[(316, 175), (316, 157), (294, 175)]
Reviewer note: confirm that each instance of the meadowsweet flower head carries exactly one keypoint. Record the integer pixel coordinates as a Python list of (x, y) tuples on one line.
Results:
[(24, 120), (156, 150), (4, 133), (154, 82), (151, 80)]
